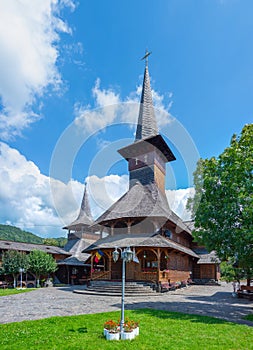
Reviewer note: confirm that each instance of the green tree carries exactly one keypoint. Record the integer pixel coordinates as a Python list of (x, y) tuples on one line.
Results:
[(41, 263), (223, 203), (50, 241), (58, 242), (12, 262), (231, 273)]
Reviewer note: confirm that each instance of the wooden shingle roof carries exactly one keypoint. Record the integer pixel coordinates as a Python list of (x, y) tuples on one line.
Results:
[(147, 125), (28, 247), (206, 257), (84, 218), (139, 240), (76, 248), (140, 202)]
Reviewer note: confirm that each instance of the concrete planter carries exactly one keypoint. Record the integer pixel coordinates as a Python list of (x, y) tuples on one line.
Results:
[(128, 335), (112, 336), (136, 331)]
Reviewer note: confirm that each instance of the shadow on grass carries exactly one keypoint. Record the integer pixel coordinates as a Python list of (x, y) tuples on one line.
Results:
[(79, 330), (196, 309), (180, 316)]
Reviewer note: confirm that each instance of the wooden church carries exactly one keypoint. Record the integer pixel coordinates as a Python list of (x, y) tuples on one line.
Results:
[(142, 219)]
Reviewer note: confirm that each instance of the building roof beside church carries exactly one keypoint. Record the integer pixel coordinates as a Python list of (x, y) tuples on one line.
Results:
[(206, 257), (28, 247), (75, 247)]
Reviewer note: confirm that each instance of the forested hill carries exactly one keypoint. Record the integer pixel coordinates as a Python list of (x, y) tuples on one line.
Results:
[(12, 233)]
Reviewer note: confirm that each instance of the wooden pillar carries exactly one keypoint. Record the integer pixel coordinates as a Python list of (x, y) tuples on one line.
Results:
[(156, 226), (91, 267), (158, 262), (68, 273), (129, 224), (110, 265), (101, 231)]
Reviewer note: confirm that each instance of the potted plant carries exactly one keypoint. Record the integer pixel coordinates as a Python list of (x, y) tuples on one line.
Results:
[(136, 328), (130, 330), (111, 330)]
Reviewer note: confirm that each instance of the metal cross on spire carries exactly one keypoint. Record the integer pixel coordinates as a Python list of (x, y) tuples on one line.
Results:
[(145, 57)]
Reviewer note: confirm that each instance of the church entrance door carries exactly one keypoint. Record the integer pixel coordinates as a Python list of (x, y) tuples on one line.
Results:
[(130, 268), (117, 270)]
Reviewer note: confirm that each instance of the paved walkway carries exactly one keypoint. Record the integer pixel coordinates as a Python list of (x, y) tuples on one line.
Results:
[(214, 301)]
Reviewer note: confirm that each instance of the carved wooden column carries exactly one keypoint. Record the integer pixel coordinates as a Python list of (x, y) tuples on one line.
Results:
[(110, 264), (129, 224), (112, 229), (91, 265), (158, 262), (101, 231)]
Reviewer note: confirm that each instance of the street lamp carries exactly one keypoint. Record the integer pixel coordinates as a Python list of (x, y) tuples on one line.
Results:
[(21, 270), (126, 255)]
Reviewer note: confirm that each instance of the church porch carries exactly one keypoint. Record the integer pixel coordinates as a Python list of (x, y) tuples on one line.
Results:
[(156, 265)]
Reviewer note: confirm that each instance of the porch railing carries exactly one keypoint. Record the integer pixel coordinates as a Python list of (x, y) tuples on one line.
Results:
[(149, 276), (101, 275), (173, 275)]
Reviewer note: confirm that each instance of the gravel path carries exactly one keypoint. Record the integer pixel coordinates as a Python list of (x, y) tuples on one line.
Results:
[(214, 301)]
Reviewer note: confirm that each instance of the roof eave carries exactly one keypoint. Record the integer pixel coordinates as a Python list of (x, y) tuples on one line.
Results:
[(148, 144)]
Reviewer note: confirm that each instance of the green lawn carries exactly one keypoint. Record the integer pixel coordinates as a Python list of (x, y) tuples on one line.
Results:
[(4, 292), (158, 330)]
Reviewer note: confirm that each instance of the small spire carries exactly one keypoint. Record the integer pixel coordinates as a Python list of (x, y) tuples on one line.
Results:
[(84, 217), (147, 125), (85, 206)]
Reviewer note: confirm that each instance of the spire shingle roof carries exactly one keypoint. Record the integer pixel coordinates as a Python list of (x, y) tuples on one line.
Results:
[(147, 125), (84, 218)]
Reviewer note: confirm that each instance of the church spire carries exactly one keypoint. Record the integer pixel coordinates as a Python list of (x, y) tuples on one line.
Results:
[(147, 125), (84, 218), (149, 153), (85, 212)]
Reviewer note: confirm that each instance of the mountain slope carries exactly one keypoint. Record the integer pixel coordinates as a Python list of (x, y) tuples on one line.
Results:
[(12, 233)]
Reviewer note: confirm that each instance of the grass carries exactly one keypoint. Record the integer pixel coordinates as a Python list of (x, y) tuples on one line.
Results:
[(4, 292), (158, 330)]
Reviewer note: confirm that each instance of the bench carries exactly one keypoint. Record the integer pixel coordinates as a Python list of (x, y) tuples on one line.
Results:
[(190, 281), (164, 287), (245, 292)]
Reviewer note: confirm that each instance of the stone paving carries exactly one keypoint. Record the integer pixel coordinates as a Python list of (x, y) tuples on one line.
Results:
[(214, 301)]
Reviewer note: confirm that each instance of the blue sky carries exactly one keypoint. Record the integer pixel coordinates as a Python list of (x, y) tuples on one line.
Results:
[(67, 70)]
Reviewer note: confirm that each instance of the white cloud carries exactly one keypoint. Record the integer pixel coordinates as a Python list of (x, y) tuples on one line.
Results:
[(109, 107), (103, 192), (26, 200), (29, 33), (177, 200), (107, 104), (25, 195)]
